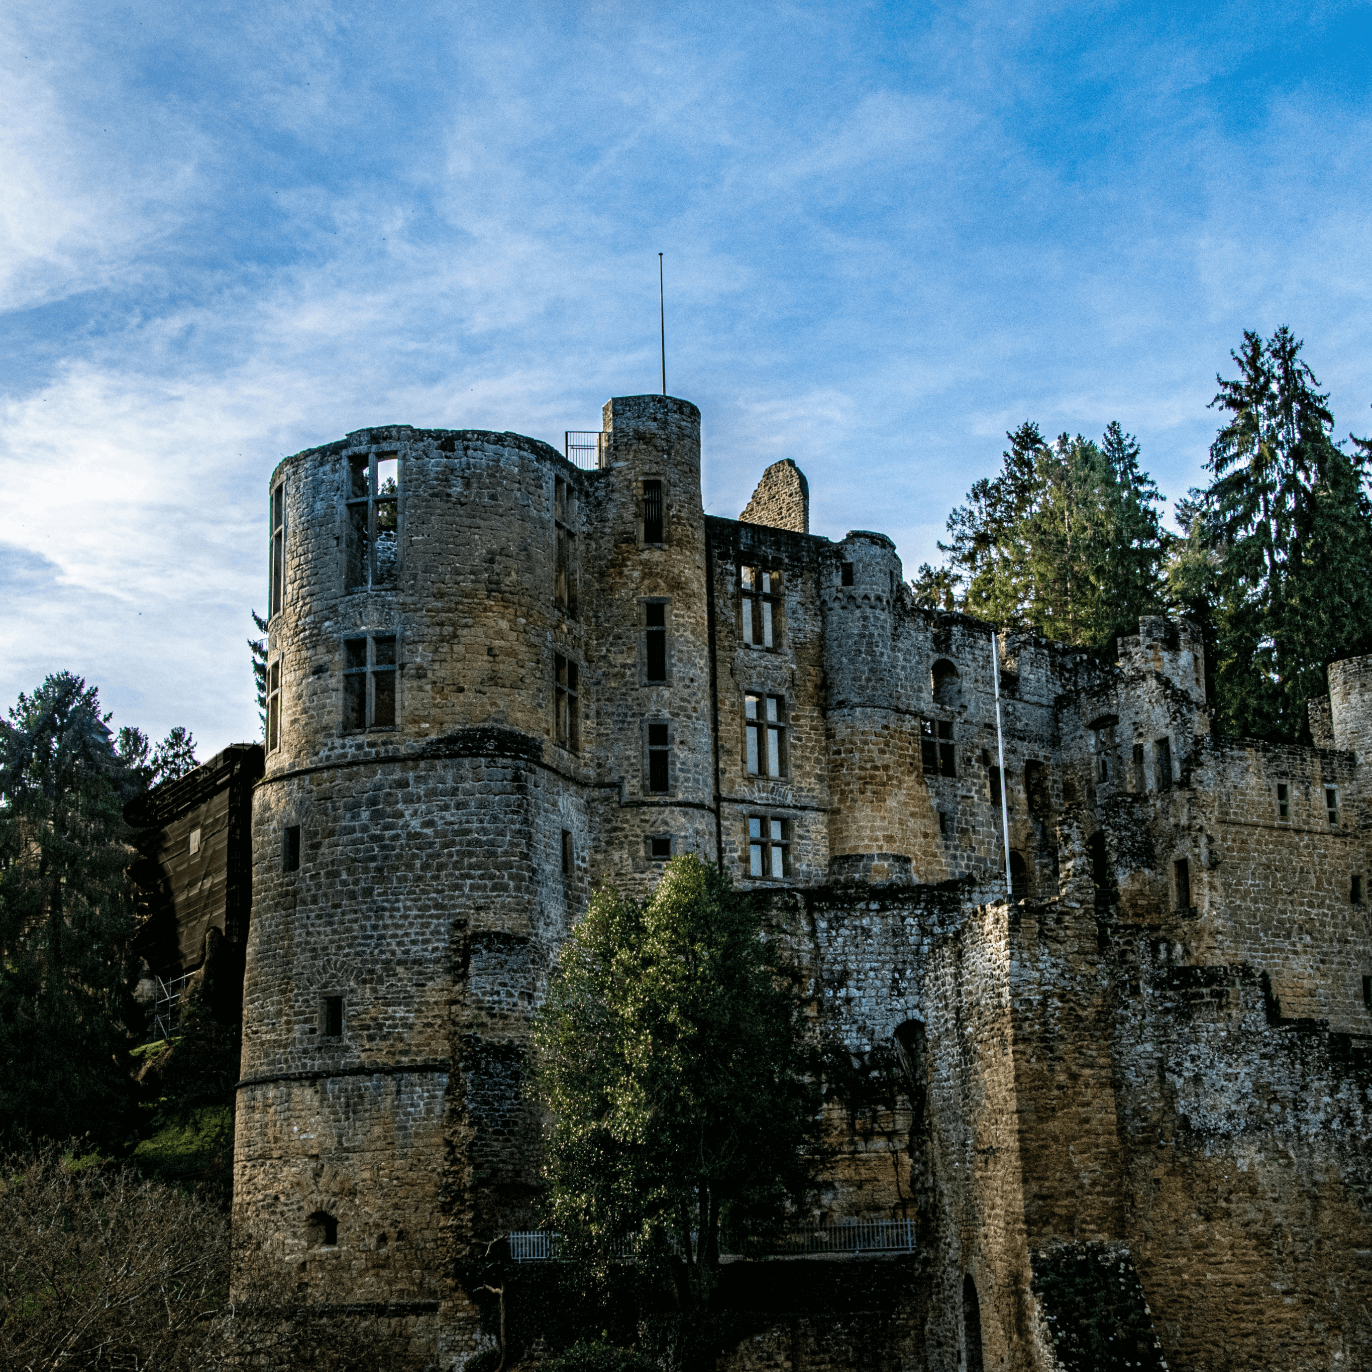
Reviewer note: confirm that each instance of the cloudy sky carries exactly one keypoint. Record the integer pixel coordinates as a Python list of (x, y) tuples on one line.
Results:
[(892, 232)]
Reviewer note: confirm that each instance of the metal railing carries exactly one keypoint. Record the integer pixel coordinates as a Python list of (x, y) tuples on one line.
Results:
[(583, 448), (849, 1236), (166, 1008)]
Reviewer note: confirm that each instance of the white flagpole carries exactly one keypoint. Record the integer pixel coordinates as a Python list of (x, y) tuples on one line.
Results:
[(1000, 755)]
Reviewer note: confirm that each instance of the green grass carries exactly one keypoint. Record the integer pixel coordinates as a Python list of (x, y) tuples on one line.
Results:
[(190, 1152)]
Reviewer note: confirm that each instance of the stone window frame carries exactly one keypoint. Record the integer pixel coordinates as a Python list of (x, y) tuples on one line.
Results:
[(767, 838), (761, 731), (655, 742), (1163, 778), (760, 606), (658, 847), (273, 729), (938, 748), (645, 630), (276, 549), (369, 504), (1282, 799), (1104, 749), (566, 567), (1331, 804), (370, 670), (290, 848), (322, 1230), (567, 702), (945, 684), (568, 853), (644, 481), (333, 1016)]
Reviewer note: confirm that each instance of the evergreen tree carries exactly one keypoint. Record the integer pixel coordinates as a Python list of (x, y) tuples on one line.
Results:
[(1288, 512), (65, 919), (259, 668)]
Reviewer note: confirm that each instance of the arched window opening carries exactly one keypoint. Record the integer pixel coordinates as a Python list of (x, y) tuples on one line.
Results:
[(971, 1324), (322, 1231), (1036, 789), (1019, 877), (947, 687)]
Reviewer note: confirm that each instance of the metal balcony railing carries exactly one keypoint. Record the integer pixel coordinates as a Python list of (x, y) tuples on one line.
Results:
[(856, 1237), (583, 448)]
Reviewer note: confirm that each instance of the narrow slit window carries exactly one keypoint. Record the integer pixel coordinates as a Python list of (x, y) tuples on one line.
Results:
[(274, 705), (995, 785), (564, 532), (276, 591), (333, 1017), (1162, 760), (764, 719), (1181, 871), (845, 573), (1367, 992), (943, 824), (652, 512), (759, 598), (769, 848), (567, 855), (567, 702), (1019, 877), (1355, 891), (1331, 804), (290, 857), (1140, 783), (659, 754), (373, 520), (1283, 801), (655, 641), (369, 683)]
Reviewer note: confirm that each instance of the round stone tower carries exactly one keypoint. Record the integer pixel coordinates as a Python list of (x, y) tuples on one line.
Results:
[(1350, 705), (420, 840)]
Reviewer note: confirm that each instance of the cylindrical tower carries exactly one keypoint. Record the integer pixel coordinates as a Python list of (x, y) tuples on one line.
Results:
[(420, 841), (1350, 705)]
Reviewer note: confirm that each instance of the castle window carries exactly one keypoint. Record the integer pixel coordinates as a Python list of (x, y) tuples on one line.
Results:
[(1355, 891), (938, 757), (1367, 992), (943, 824), (1036, 790), (322, 1230), (652, 512), (290, 849), (274, 705), (567, 854), (369, 669), (995, 785), (1331, 804), (1019, 877), (277, 552), (373, 520), (659, 753), (1283, 801), (765, 730), (947, 686), (1102, 733), (1140, 782), (331, 1017), (845, 573), (1181, 872), (655, 640), (1100, 863), (567, 702), (759, 599), (1162, 763), (659, 847), (769, 848), (564, 531)]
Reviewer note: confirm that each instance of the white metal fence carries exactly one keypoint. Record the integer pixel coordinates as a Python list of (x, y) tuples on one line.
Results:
[(583, 448)]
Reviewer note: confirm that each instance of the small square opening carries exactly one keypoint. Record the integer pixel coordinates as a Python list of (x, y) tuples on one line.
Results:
[(659, 848)]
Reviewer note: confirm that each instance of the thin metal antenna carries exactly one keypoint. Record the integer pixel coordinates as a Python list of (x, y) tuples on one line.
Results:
[(662, 323)]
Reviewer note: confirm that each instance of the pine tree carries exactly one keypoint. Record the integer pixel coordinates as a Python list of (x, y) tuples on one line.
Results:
[(259, 668)]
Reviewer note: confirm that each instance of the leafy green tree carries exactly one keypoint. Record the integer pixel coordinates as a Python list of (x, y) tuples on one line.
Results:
[(1066, 540), (65, 919), (673, 1059), (1287, 513)]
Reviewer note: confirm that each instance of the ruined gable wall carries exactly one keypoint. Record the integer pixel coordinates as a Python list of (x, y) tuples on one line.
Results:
[(781, 500)]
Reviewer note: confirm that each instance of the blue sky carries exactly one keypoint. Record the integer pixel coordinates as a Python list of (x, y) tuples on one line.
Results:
[(892, 232)]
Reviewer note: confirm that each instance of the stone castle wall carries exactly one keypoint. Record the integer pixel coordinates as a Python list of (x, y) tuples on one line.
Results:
[(1181, 965)]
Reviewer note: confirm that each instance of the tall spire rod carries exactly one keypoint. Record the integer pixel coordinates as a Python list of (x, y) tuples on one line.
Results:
[(662, 323)]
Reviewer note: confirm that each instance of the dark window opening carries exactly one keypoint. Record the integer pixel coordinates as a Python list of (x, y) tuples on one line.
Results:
[(566, 702), (769, 848), (566, 851), (373, 520), (1283, 801), (274, 705), (1355, 891), (1105, 769), (1367, 992), (1100, 866), (381, 1243), (369, 670), (947, 686), (995, 785), (1331, 804), (971, 1324), (652, 512), (764, 727), (937, 754), (1019, 877), (323, 1230), (760, 592), (658, 754), (1162, 762), (655, 641), (333, 1017), (277, 589), (943, 824), (1036, 790), (1140, 783), (660, 847), (1182, 872), (564, 534), (845, 573), (291, 856)]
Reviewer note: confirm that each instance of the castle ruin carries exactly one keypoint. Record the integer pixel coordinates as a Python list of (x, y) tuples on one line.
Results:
[(499, 679)]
